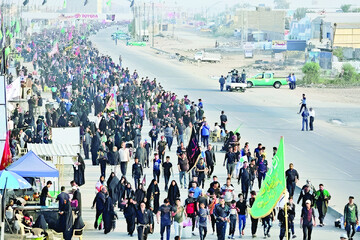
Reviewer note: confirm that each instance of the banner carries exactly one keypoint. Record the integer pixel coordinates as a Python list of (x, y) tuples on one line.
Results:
[(273, 187), (13, 90), (279, 44), (6, 156), (193, 151)]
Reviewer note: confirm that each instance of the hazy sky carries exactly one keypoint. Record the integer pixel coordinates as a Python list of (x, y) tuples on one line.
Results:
[(217, 4)]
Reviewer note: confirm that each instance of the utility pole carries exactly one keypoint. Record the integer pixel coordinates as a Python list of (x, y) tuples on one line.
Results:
[(144, 22), (153, 25), (173, 32)]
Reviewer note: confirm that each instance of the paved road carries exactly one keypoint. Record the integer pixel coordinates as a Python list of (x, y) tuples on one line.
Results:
[(328, 155), (323, 156)]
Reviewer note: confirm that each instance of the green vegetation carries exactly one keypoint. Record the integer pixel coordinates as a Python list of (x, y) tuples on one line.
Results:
[(311, 72), (349, 73), (314, 75), (345, 7), (338, 52)]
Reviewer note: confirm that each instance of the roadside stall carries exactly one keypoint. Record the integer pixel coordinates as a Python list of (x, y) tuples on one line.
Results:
[(33, 169)]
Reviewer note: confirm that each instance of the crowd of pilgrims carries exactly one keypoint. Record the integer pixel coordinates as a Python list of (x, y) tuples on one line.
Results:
[(84, 82)]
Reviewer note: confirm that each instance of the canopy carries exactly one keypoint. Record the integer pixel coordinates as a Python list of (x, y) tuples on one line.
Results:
[(11, 180), (54, 150), (30, 165)]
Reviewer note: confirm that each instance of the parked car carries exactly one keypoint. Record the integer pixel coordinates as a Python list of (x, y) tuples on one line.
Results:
[(266, 79), (207, 57)]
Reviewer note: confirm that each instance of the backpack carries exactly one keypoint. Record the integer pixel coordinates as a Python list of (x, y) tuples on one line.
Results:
[(190, 208)]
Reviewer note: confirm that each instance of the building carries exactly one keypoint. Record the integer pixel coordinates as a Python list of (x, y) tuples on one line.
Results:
[(347, 35), (335, 28), (264, 22)]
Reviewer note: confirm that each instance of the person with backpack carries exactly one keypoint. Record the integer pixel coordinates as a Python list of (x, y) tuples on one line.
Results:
[(190, 209), (351, 217)]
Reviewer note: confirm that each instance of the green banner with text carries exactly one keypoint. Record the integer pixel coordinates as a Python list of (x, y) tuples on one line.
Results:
[(273, 186)]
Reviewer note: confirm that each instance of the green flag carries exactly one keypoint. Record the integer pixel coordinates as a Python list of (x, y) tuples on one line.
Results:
[(17, 27), (7, 32), (1, 35), (273, 186), (238, 129), (63, 30), (108, 3), (64, 5), (7, 51)]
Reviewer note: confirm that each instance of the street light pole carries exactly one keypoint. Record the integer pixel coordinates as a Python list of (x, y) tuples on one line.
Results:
[(153, 25)]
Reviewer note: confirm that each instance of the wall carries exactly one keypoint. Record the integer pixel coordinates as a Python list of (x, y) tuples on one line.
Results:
[(269, 21), (347, 38)]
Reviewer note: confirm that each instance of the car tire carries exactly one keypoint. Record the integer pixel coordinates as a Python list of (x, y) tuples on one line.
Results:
[(249, 84), (277, 85)]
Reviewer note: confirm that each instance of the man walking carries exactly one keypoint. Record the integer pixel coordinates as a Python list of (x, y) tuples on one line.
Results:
[(312, 118), (230, 162), (302, 103), (222, 82), (307, 220), (205, 133), (223, 120), (210, 160), (144, 221), (161, 148), (87, 142), (124, 158), (167, 170), (351, 218), (183, 166), (137, 172), (322, 198), (305, 115), (221, 213), (244, 175), (292, 177), (165, 211)]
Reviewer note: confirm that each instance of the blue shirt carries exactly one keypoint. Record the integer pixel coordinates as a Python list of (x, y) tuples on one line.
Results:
[(157, 164), (197, 192)]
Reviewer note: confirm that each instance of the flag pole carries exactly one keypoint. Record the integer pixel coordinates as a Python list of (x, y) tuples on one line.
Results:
[(286, 219)]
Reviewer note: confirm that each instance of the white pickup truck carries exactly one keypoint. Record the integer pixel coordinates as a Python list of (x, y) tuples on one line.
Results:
[(207, 57), (232, 85)]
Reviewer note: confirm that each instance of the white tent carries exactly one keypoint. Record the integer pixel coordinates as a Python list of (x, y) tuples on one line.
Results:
[(54, 150)]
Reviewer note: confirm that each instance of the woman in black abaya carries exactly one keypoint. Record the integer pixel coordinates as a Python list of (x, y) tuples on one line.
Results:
[(79, 171), (109, 216), (173, 193), (153, 195), (66, 221), (140, 194)]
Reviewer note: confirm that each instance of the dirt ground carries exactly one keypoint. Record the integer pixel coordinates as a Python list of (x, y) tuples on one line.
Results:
[(186, 42)]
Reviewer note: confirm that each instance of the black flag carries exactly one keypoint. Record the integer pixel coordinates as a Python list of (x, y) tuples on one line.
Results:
[(192, 150)]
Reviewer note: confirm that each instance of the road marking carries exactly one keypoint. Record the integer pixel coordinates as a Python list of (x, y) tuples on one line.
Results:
[(297, 148), (317, 134), (358, 150), (341, 170), (237, 118), (262, 130), (286, 120)]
